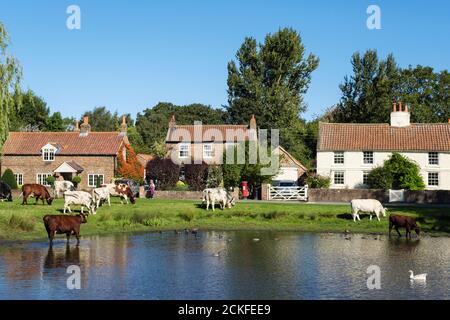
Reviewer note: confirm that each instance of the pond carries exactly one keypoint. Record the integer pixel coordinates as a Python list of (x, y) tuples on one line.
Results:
[(226, 265)]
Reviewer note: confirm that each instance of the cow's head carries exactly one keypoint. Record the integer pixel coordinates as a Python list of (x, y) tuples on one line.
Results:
[(83, 218), (49, 200), (131, 196), (93, 207), (383, 211), (231, 202), (417, 230)]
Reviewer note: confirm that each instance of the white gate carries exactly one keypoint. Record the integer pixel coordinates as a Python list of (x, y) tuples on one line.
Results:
[(396, 195), (288, 193)]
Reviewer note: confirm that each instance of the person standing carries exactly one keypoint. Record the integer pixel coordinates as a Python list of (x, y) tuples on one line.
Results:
[(151, 189)]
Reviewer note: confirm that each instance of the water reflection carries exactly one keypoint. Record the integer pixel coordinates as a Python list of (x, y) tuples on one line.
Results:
[(282, 265)]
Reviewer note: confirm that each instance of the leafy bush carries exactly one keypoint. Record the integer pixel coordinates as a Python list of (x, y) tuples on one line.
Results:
[(163, 172), (215, 176), (9, 179), (398, 172), (51, 180), (22, 223), (76, 181), (196, 175), (316, 181), (186, 216), (181, 186), (379, 178)]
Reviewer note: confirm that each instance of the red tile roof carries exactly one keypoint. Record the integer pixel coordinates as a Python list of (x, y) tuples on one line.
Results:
[(180, 133), (68, 143), (383, 137)]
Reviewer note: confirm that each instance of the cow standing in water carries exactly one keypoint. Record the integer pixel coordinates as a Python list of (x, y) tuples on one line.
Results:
[(409, 223), (58, 224), (35, 190)]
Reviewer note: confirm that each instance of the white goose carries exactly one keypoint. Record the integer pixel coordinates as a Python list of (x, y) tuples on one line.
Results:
[(422, 277)]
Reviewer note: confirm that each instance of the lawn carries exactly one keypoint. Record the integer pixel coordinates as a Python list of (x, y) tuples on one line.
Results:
[(19, 222)]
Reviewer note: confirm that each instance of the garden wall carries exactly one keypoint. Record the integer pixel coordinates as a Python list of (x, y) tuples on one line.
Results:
[(185, 195)]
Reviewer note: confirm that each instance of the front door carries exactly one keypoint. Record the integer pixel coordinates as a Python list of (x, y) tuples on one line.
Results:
[(67, 176)]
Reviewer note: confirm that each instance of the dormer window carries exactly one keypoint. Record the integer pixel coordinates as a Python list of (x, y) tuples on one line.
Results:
[(48, 152)]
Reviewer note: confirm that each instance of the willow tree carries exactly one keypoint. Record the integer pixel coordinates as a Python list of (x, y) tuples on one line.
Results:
[(10, 73)]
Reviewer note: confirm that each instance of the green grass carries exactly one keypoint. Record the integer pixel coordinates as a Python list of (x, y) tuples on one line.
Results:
[(19, 222)]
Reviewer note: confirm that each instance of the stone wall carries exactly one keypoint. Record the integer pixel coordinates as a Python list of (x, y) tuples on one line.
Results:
[(346, 195)]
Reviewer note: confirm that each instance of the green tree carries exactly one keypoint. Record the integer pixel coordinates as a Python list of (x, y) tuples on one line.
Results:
[(269, 80), (9, 179), (10, 74), (55, 123), (367, 95), (32, 115), (101, 119), (380, 178)]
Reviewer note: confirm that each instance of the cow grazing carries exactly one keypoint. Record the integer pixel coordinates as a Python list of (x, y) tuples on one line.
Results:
[(409, 223), (367, 205), (82, 198), (5, 191), (219, 195), (60, 187), (63, 224), (101, 195), (35, 190), (120, 190)]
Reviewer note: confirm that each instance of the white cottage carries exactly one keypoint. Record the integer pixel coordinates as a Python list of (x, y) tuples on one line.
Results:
[(346, 152)]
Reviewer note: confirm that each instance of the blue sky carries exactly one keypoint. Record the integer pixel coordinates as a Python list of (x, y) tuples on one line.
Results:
[(129, 55)]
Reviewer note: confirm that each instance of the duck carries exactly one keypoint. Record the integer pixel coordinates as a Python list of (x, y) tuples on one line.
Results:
[(422, 276), (256, 239), (217, 254)]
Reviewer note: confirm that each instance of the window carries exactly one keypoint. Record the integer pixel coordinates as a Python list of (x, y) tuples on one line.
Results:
[(339, 157), (339, 177), (19, 178), (208, 150), (365, 176), (433, 158), (184, 150), (95, 180), (48, 154), (368, 157), (41, 178), (433, 178)]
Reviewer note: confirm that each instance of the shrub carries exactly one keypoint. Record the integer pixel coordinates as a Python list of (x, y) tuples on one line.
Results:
[(379, 178), (19, 222), (181, 186), (163, 172), (51, 180), (76, 181), (129, 166), (186, 216), (196, 175), (215, 176), (316, 181), (9, 179)]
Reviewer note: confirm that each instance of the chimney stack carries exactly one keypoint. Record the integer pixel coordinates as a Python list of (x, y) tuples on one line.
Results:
[(399, 117), (124, 126), (85, 127), (77, 126), (172, 121), (253, 122), (394, 107)]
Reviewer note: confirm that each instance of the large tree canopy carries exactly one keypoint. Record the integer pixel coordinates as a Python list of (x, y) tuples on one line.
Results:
[(367, 95), (10, 74)]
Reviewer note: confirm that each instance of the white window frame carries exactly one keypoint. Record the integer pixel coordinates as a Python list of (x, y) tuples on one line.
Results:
[(208, 154), (368, 157), (93, 175), (19, 178), (337, 156), (433, 157), (365, 174), (343, 178), (436, 179), (48, 152), (41, 178), (188, 151)]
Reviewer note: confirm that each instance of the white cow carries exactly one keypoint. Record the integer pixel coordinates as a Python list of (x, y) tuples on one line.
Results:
[(62, 186), (367, 205), (101, 194), (120, 190), (219, 195), (82, 198)]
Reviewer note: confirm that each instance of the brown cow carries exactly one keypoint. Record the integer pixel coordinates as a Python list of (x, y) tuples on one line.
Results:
[(409, 223), (35, 190), (64, 224)]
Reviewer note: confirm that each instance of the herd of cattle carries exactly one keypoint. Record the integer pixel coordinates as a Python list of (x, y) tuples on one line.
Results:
[(65, 224)]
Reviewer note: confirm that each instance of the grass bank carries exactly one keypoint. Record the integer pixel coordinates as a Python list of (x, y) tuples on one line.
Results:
[(19, 222)]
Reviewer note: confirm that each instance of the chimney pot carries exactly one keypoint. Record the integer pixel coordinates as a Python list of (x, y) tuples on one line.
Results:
[(400, 106), (394, 107), (406, 108), (124, 126), (172, 121), (77, 126), (85, 127)]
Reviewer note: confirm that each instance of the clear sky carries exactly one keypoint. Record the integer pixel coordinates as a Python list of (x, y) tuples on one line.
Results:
[(129, 55)]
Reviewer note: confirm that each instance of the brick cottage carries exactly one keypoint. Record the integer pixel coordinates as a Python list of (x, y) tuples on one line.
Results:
[(33, 156)]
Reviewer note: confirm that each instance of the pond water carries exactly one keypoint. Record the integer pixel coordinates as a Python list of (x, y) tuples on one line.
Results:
[(281, 265)]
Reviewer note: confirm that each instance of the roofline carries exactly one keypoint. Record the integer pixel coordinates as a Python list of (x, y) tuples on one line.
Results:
[(64, 154), (292, 158), (383, 150)]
